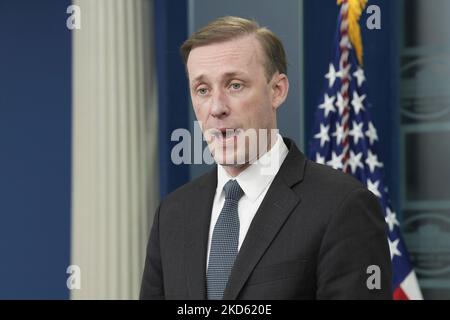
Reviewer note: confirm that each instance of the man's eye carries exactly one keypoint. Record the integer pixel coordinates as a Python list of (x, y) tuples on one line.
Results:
[(202, 91), (236, 86)]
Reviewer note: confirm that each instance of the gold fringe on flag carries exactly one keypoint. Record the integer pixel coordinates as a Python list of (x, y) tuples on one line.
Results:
[(355, 9)]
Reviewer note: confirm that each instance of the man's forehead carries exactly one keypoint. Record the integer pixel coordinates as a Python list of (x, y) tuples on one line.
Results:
[(238, 53)]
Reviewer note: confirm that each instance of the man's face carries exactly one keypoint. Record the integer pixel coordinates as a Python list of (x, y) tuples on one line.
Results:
[(230, 95)]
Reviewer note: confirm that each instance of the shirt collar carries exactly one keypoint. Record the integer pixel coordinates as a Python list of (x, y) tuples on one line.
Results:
[(260, 174)]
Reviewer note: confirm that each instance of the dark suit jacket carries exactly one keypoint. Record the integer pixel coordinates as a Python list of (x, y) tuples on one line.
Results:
[(313, 237)]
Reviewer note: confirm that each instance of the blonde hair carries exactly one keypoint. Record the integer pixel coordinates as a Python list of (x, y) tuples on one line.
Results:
[(229, 28)]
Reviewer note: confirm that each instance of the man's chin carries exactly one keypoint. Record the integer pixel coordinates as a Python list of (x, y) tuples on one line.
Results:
[(232, 165), (230, 160), (233, 160)]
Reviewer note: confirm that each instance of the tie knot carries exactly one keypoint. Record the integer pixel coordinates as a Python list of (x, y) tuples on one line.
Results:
[(233, 190)]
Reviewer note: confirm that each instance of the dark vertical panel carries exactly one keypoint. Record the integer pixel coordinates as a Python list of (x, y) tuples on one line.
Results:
[(170, 32), (35, 149)]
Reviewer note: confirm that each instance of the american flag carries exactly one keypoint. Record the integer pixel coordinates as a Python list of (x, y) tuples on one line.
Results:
[(346, 139)]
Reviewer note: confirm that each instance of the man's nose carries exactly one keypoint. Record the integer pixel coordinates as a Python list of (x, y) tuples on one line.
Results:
[(219, 106)]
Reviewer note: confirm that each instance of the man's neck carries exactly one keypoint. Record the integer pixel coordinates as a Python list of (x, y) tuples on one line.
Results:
[(234, 171)]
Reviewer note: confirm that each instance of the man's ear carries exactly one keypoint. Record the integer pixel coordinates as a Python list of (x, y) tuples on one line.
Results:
[(280, 89)]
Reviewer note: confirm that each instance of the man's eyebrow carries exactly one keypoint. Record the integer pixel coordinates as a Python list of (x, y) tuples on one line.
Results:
[(233, 74), (226, 75), (197, 79)]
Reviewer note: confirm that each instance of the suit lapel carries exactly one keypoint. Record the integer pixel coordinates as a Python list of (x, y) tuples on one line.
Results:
[(198, 217), (276, 207)]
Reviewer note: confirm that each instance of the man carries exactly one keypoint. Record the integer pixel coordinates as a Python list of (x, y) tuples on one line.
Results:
[(298, 231)]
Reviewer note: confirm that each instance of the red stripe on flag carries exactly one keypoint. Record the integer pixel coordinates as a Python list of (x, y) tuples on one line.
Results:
[(399, 294)]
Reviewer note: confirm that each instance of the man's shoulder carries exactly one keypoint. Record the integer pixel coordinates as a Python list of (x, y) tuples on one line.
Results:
[(327, 193), (190, 188), (314, 174), (325, 177)]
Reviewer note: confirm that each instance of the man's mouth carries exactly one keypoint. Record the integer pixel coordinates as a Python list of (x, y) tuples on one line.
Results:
[(225, 134)]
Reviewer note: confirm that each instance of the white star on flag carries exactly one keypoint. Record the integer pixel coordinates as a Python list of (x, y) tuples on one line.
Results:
[(320, 159), (371, 133), (357, 102), (372, 161), (331, 75), (393, 248), (339, 133), (336, 161), (355, 161), (356, 131), (327, 105), (391, 219), (359, 74), (373, 187), (323, 134), (341, 103)]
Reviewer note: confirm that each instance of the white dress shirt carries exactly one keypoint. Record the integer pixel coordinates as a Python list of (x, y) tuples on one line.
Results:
[(254, 181)]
